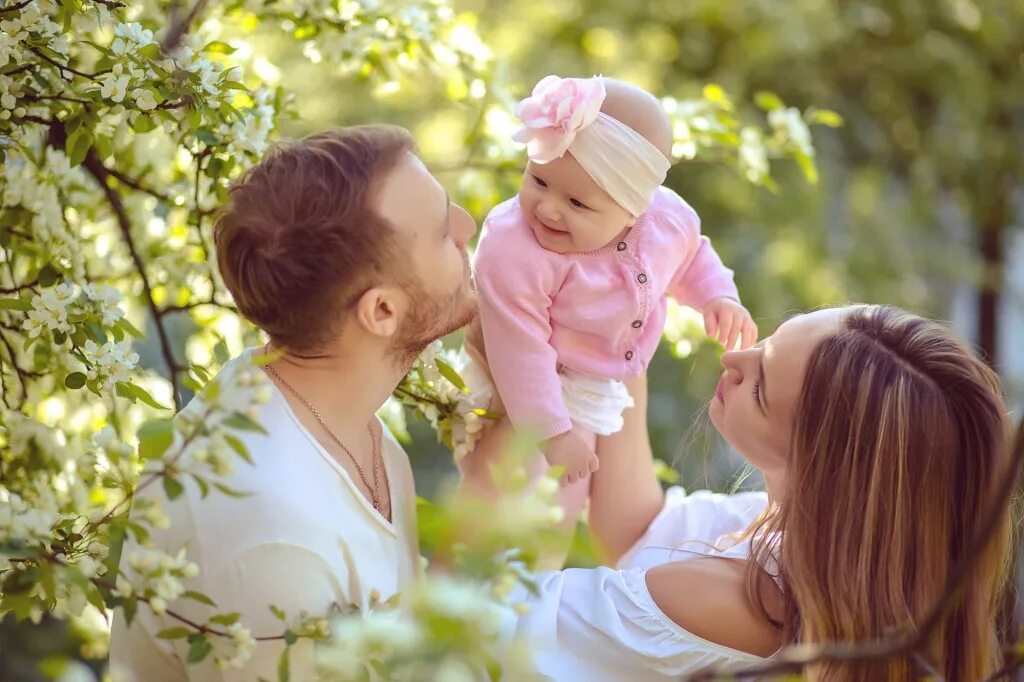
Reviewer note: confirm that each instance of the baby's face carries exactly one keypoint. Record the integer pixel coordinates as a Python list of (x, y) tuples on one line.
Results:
[(567, 210)]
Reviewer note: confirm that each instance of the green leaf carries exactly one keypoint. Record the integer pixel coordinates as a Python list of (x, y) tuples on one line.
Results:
[(200, 597), (173, 487), (220, 351), (226, 618), (131, 607), (204, 487), (449, 373), (129, 328), (200, 649), (174, 633), (143, 123), (278, 613), (77, 145), (206, 136), (136, 392), (283, 671), (219, 47), (15, 304), (243, 423), (290, 637), (239, 447), (155, 436), (825, 117), (75, 380), (229, 491), (768, 101), (48, 276)]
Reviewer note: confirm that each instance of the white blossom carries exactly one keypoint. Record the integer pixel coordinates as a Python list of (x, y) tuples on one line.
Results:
[(114, 87)]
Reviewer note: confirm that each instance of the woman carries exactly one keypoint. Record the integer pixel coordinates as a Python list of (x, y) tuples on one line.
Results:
[(881, 439)]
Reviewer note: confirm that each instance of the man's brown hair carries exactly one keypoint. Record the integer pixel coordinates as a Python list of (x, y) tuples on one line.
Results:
[(299, 239)]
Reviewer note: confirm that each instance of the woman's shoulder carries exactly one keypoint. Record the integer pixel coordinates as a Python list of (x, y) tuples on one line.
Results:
[(707, 597)]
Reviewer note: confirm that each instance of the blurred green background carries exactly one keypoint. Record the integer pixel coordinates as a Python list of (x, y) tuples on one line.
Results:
[(919, 202)]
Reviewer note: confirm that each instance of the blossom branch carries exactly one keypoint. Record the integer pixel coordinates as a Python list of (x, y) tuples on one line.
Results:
[(909, 643), (138, 185), (15, 7), (63, 67), (99, 172), (179, 27)]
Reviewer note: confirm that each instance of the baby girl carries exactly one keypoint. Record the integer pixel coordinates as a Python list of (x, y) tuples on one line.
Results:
[(572, 273)]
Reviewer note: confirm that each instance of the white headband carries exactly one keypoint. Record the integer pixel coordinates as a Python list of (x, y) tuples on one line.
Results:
[(565, 115)]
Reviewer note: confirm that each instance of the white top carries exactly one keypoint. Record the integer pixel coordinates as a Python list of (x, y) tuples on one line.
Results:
[(304, 539), (602, 625)]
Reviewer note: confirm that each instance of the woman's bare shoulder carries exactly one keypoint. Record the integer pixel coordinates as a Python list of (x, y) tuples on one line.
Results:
[(708, 597)]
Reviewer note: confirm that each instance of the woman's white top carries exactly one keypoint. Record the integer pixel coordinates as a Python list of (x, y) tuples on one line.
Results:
[(602, 625), (304, 539)]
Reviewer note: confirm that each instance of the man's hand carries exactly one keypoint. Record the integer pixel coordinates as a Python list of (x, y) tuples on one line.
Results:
[(725, 320), (571, 451)]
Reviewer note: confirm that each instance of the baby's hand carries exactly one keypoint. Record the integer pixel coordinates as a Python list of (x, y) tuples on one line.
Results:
[(725, 320), (571, 451)]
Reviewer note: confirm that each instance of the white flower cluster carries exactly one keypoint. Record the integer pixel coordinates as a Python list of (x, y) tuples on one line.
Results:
[(157, 576), (116, 84), (248, 136), (240, 645), (35, 20), (403, 642), (753, 156), (111, 362), (789, 122), (239, 392), (50, 310), (38, 190), (26, 521), (451, 411)]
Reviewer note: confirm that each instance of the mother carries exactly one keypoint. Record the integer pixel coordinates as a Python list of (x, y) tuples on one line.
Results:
[(881, 439)]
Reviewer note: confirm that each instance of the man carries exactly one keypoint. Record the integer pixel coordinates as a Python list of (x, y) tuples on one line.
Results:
[(349, 255)]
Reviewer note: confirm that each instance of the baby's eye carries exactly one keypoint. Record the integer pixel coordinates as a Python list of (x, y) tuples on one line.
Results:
[(539, 182), (577, 203)]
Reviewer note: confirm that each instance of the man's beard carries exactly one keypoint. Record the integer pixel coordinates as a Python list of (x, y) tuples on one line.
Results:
[(430, 319)]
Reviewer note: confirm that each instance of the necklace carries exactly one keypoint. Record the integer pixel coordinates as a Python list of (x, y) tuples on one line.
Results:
[(374, 490)]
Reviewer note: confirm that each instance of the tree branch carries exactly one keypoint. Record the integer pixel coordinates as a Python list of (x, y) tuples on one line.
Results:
[(180, 27), (99, 172), (91, 76), (138, 185), (794, 658), (15, 7)]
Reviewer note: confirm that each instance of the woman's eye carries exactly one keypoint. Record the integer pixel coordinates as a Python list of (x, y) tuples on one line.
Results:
[(577, 203), (539, 182), (757, 392)]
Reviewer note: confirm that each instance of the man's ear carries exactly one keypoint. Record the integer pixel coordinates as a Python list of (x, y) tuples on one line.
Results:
[(379, 310)]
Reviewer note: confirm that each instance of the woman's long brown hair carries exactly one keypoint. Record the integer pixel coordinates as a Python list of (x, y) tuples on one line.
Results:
[(900, 439)]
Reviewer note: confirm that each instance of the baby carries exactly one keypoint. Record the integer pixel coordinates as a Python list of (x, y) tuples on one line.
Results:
[(572, 273)]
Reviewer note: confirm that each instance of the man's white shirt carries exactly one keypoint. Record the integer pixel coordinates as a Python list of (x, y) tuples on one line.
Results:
[(303, 539)]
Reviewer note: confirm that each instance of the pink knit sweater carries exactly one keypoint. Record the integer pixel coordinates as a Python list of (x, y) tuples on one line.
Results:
[(598, 312)]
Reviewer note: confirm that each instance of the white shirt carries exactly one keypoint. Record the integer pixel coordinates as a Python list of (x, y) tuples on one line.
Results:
[(304, 539), (602, 625)]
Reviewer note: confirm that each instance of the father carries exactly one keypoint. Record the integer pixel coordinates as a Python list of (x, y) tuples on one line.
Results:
[(350, 256)]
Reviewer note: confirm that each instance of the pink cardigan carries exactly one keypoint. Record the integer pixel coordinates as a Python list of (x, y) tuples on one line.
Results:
[(598, 312)]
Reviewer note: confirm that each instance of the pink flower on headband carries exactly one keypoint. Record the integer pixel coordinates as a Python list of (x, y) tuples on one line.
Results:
[(557, 110)]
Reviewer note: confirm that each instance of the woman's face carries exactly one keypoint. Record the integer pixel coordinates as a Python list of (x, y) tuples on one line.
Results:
[(755, 401)]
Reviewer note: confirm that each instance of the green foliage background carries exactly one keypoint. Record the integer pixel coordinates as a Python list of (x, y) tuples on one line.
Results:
[(926, 171)]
